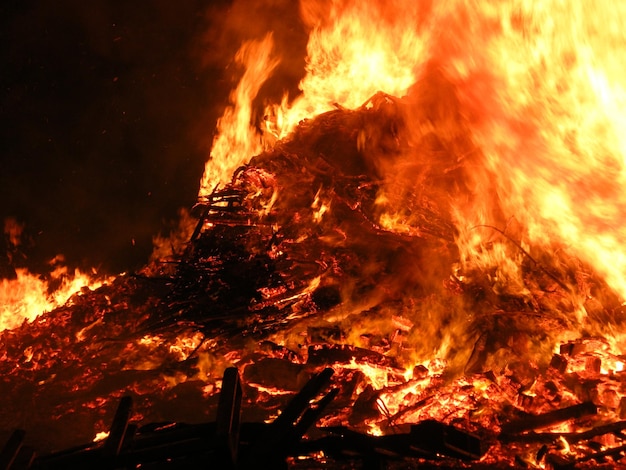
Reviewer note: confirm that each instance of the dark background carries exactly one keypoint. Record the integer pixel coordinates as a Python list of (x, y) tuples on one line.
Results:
[(108, 111)]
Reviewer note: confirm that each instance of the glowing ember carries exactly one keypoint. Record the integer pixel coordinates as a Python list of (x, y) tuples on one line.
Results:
[(535, 88), (29, 296), (101, 436), (437, 217)]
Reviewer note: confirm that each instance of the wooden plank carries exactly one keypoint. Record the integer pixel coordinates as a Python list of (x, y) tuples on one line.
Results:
[(119, 426), (550, 418), (229, 415), (443, 439), (11, 449)]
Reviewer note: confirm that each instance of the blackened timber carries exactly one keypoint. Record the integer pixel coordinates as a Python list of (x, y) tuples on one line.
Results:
[(615, 453), (119, 427), (348, 444), (192, 446), (428, 439), (11, 449), (433, 436), (284, 434), (529, 422), (300, 402), (310, 416), (229, 415), (571, 437)]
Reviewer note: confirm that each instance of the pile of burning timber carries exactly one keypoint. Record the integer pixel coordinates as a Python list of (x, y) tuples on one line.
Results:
[(291, 278)]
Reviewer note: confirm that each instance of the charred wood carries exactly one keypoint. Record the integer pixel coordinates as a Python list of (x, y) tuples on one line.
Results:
[(614, 453), (571, 437), (271, 450), (327, 354), (11, 449), (444, 439), (429, 439), (119, 428), (228, 416), (550, 418)]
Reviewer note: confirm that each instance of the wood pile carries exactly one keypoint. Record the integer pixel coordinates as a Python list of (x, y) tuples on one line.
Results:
[(291, 277)]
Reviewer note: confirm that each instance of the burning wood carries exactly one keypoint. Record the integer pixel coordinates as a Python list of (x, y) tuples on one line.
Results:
[(274, 285), (265, 445), (550, 418), (370, 284)]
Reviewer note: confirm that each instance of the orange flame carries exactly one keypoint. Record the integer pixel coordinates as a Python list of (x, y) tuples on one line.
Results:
[(518, 104), (237, 140), (355, 49), (28, 296), (536, 91)]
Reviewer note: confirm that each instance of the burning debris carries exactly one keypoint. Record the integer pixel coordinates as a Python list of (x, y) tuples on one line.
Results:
[(369, 282), (290, 274)]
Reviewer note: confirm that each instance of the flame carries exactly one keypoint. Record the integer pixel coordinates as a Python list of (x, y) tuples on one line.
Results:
[(543, 94), (319, 206), (28, 296), (520, 102), (508, 119), (237, 140), (355, 49)]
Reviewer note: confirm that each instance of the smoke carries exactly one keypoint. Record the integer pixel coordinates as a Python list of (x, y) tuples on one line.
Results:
[(247, 20)]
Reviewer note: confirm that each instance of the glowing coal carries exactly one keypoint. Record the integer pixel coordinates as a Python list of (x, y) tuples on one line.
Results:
[(449, 249)]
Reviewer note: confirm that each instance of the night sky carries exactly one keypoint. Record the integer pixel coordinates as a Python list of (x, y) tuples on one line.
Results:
[(108, 112)]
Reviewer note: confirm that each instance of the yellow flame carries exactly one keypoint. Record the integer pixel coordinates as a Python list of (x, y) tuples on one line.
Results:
[(355, 49), (28, 296), (185, 345), (319, 206), (237, 140), (524, 101), (544, 95), (101, 436)]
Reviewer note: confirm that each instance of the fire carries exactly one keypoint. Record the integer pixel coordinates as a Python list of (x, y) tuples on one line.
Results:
[(509, 122), (29, 295), (356, 49), (524, 101), (543, 94), (237, 139), (497, 122)]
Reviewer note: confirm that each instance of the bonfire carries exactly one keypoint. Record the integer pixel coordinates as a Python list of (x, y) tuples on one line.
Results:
[(417, 261)]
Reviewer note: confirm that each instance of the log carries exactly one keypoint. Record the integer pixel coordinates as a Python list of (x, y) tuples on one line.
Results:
[(284, 433), (570, 437), (550, 418), (11, 449), (433, 436), (118, 429), (428, 439), (300, 403), (327, 354), (310, 416), (616, 453), (229, 416)]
